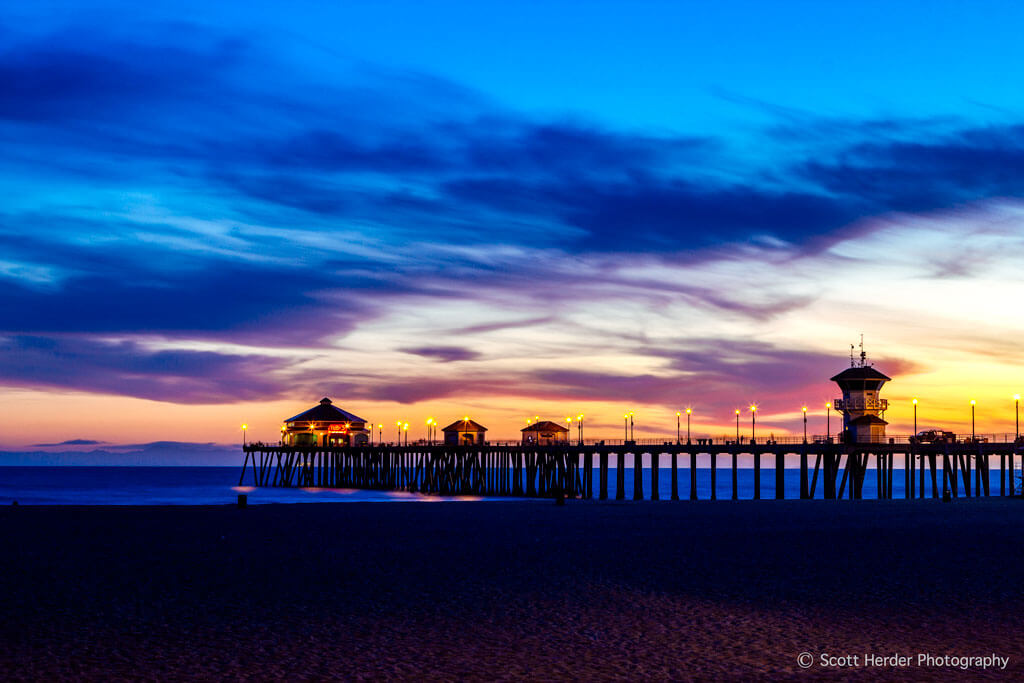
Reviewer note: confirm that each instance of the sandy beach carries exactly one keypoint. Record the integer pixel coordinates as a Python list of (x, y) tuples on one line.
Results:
[(508, 590)]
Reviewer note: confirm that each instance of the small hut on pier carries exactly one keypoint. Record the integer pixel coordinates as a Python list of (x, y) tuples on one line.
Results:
[(325, 425), (464, 432), (545, 433)]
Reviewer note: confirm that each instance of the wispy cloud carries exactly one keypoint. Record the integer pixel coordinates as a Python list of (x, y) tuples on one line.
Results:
[(129, 368), (446, 354)]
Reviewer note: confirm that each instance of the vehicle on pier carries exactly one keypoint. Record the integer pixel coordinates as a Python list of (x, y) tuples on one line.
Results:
[(933, 436)]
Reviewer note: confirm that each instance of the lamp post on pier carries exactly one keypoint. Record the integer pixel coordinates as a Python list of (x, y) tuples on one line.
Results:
[(625, 428), (631, 437), (579, 426), (805, 423), (405, 428), (828, 422), (753, 425), (915, 417), (1016, 410), (688, 411), (380, 433), (244, 428), (972, 420), (678, 416), (737, 426), (399, 426)]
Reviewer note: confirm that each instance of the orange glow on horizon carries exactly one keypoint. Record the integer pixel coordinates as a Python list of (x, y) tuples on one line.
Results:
[(113, 420)]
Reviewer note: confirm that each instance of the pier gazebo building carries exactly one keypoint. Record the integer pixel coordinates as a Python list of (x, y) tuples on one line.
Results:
[(861, 406), (325, 425), (464, 432), (544, 433)]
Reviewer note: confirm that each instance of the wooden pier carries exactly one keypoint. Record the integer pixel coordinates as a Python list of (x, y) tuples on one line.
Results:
[(929, 470)]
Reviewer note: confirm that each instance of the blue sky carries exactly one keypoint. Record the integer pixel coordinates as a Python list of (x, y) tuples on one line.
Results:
[(214, 213)]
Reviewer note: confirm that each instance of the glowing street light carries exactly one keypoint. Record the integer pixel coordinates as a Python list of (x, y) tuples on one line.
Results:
[(737, 426), (915, 416), (688, 411), (380, 433), (405, 428), (399, 425), (625, 427), (753, 413), (244, 427), (828, 422), (631, 437), (579, 425)]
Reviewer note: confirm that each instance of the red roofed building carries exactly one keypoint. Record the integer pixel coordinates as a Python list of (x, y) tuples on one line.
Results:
[(464, 432), (325, 425), (544, 433)]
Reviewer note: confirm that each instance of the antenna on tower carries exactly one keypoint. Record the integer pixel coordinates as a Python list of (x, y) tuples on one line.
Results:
[(863, 354), (851, 356)]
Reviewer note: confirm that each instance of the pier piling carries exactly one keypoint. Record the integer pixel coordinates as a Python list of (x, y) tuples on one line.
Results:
[(548, 471)]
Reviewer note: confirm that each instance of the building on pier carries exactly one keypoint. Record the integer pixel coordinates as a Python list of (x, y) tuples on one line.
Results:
[(325, 425), (863, 411), (545, 433), (464, 432)]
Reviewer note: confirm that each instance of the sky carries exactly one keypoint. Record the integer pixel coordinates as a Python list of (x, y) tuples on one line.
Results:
[(218, 213)]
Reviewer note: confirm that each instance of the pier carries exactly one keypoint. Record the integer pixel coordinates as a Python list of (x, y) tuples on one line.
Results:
[(836, 470)]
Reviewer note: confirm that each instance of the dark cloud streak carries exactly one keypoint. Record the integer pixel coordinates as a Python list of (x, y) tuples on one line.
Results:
[(129, 369)]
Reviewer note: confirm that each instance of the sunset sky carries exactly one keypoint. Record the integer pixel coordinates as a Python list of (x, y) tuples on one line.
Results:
[(217, 213)]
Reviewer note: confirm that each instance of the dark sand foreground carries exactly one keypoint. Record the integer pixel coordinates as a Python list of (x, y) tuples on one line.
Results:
[(508, 590)]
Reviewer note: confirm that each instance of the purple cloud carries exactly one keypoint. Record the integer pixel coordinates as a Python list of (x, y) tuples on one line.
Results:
[(69, 442), (446, 354), (129, 369)]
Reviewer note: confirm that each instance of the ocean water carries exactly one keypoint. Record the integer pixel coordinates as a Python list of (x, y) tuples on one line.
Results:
[(162, 486), (219, 485)]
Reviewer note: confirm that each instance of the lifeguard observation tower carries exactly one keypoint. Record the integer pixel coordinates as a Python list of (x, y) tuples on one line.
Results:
[(860, 405)]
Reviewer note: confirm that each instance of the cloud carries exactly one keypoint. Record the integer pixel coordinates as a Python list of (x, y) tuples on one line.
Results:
[(423, 389), (716, 374), (76, 76), (446, 354), (69, 442), (130, 369), (924, 173), (156, 454), (126, 287), (405, 152), (505, 325)]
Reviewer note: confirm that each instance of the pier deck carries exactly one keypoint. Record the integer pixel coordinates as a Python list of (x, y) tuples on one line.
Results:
[(840, 470)]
